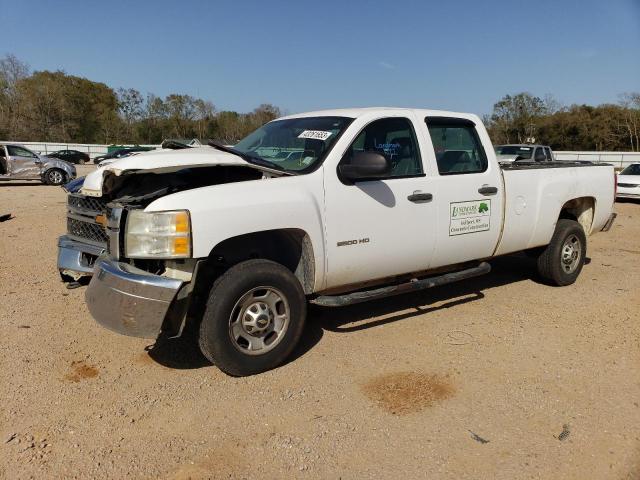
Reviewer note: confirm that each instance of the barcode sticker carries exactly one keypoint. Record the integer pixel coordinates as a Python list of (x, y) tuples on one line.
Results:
[(315, 134)]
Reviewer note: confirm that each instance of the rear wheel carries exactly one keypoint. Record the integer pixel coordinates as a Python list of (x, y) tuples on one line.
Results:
[(254, 318), (561, 262), (55, 176)]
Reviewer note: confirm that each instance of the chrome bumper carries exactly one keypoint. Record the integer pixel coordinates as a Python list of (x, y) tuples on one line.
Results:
[(76, 259), (128, 300)]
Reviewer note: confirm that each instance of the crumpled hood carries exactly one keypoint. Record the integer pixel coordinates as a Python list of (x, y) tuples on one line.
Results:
[(161, 161)]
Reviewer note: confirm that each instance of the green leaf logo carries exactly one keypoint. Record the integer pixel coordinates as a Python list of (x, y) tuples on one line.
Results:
[(483, 208)]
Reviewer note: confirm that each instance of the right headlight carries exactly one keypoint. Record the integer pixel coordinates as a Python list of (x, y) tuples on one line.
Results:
[(158, 234)]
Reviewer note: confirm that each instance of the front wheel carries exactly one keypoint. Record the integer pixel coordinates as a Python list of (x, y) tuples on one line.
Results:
[(562, 260), (254, 318), (55, 176)]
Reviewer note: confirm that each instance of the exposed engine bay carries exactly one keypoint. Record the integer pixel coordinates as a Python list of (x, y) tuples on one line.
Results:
[(141, 188)]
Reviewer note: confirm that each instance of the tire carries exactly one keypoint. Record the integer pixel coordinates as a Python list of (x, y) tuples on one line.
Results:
[(254, 318), (562, 260), (55, 176)]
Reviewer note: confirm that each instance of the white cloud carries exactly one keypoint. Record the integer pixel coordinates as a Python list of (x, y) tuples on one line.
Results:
[(386, 65)]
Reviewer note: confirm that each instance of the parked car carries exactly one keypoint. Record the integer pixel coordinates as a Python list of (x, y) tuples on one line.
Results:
[(19, 163), (629, 182), (71, 156), (384, 201), (107, 161), (524, 153), (121, 152)]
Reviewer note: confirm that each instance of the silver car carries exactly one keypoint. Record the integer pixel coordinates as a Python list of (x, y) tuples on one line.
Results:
[(20, 163)]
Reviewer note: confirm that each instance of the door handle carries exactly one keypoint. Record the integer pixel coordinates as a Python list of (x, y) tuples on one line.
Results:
[(419, 197), (484, 190)]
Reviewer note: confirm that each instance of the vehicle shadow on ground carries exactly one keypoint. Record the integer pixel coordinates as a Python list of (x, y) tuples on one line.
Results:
[(505, 270), (184, 353), (6, 183), (180, 353)]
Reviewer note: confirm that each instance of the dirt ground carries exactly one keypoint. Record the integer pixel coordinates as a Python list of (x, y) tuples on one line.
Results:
[(497, 377)]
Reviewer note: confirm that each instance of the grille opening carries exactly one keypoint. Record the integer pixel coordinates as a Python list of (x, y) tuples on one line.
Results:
[(90, 231)]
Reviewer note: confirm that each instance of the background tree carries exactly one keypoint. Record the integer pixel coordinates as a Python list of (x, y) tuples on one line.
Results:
[(57, 107), (130, 107)]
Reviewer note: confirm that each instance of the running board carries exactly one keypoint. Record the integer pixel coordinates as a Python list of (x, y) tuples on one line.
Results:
[(411, 286)]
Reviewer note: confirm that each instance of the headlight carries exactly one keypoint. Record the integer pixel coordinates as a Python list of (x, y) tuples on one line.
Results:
[(158, 234)]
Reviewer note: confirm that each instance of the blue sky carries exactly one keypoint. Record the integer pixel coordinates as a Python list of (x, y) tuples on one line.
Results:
[(301, 55)]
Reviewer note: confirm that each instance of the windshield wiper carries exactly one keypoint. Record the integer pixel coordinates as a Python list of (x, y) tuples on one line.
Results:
[(256, 160)]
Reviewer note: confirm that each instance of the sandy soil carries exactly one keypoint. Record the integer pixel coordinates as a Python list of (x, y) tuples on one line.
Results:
[(497, 377)]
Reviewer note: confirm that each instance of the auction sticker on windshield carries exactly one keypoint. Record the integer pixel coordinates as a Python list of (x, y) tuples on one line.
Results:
[(315, 134), (469, 217)]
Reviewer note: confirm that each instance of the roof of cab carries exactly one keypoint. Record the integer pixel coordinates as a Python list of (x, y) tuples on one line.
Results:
[(359, 112)]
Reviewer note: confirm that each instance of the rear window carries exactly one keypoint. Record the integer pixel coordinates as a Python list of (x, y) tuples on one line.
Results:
[(524, 152)]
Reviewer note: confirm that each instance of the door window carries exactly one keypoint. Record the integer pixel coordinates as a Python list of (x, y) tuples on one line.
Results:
[(16, 151), (457, 146), (547, 150), (396, 140)]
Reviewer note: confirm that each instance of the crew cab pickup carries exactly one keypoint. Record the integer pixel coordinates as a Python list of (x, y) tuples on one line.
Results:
[(376, 202)]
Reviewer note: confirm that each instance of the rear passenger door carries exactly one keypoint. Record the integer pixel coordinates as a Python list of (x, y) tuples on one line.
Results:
[(469, 191)]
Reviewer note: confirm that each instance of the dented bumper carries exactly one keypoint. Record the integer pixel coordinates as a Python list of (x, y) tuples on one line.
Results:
[(76, 259), (128, 300)]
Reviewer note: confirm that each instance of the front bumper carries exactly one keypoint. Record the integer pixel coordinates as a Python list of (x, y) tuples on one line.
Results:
[(128, 300), (76, 259)]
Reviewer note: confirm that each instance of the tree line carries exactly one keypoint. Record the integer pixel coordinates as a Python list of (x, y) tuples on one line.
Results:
[(57, 107), (524, 117)]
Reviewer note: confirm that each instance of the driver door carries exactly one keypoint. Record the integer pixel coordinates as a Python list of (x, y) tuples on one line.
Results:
[(23, 163), (380, 228)]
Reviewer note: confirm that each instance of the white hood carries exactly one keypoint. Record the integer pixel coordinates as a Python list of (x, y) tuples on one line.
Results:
[(161, 161)]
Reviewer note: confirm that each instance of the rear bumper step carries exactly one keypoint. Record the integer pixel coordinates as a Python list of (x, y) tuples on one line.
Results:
[(412, 286)]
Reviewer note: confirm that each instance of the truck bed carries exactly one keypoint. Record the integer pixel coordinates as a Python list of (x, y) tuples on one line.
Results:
[(535, 193)]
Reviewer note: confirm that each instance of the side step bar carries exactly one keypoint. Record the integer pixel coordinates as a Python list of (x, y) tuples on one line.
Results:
[(411, 286)]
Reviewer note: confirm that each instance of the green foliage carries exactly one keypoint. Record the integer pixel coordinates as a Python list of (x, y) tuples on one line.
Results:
[(578, 127), (56, 107)]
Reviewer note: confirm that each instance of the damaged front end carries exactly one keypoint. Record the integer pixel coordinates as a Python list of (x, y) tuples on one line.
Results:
[(135, 296)]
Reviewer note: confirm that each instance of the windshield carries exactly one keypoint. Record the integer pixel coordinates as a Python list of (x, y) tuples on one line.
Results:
[(295, 144), (631, 170), (524, 152)]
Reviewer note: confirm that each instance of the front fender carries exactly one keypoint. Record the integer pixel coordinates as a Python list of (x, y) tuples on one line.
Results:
[(68, 168), (221, 212)]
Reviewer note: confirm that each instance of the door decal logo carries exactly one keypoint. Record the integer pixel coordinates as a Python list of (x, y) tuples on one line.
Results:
[(469, 217)]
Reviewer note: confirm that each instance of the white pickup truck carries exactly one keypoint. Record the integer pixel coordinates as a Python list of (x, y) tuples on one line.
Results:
[(370, 203)]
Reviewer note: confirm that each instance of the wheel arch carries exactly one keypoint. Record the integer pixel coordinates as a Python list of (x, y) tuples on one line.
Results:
[(290, 247), (581, 210)]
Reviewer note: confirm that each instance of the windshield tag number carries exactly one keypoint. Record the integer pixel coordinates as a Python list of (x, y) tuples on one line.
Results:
[(315, 134)]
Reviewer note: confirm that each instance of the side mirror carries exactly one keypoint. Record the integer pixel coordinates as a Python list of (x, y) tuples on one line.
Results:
[(365, 165), (540, 157)]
